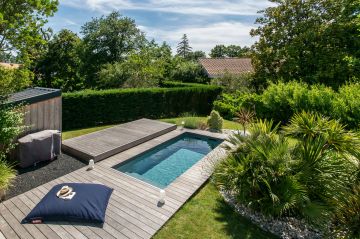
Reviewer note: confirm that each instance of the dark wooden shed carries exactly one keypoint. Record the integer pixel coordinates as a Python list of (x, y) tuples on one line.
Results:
[(42, 108)]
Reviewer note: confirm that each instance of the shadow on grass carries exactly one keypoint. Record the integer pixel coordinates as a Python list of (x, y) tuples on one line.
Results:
[(237, 226)]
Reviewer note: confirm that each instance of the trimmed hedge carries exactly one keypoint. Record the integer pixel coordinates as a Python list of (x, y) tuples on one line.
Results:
[(90, 108)]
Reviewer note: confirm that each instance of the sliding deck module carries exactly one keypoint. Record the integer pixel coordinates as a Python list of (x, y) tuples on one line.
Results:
[(105, 143)]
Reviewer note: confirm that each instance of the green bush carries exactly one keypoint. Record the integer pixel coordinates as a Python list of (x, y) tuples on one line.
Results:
[(309, 179), (281, 101), (215, 122), (90, 108)]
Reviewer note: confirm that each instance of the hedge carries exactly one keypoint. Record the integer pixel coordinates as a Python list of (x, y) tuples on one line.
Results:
[(90, 107)]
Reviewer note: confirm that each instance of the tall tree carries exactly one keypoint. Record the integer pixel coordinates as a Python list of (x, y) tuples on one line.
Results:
[(316, 41), (21, 25), (218, 51), (59, 66), (108, 39), (183, 48), (230, 51)]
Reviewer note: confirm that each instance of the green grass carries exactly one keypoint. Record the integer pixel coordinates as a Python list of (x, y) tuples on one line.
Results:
[(207, 215), (227, 123)]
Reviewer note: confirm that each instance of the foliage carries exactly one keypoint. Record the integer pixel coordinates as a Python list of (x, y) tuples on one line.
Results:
[(141, 69), (215, 121), (21, 25), (280, 101), (187, 71), (227, 124), (244, 117), (308, 180), (184, 49), (315, 41), (233, 83), (122, 105), (108, 39), (13, 80), (229, 51), (59, 66), (7, 173)]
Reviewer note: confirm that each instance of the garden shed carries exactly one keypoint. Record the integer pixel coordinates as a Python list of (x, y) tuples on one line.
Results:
[(42, 108)]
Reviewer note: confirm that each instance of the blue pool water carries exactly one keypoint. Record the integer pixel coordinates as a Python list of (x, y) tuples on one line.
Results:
[(164, 163)]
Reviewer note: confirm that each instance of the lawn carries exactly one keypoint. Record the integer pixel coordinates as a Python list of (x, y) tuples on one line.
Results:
[(206, 214), (227, 123)]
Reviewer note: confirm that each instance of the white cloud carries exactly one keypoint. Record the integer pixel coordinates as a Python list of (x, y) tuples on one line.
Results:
[(205, 37), (198, 7)]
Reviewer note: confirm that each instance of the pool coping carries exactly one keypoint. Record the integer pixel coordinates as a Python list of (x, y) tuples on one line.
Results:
[(129, 154)]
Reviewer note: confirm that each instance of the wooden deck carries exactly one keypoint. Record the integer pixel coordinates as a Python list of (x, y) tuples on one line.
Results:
[(105, 143), (133, 210)]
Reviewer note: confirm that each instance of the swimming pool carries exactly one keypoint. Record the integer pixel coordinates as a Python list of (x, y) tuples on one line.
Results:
[(163, 164)]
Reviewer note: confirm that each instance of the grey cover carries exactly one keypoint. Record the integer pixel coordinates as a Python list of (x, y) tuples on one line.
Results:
[(37, 147)]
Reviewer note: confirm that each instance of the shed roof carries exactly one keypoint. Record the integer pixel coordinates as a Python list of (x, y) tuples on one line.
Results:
[(33, 95), (216, 67)]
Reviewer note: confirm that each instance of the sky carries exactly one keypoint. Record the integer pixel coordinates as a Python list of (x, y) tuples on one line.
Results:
[(206, 23)]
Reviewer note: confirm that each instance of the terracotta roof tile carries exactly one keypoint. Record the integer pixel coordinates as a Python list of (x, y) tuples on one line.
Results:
[(216, 67)]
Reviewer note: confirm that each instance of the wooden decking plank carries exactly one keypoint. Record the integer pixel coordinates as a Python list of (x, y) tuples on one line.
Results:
[(13, 222), (33, 196), (112, 212), (35, 232), (114, 226), (112, 229), (131, 210), (130, 182), (6, 230), (45, 229), (2, 235), (151, 198), (150, 208), (107, 142)]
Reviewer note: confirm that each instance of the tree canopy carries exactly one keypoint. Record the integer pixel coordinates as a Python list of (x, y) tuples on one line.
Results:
[(59, 66), (21, 26), (108, 39), (316, 41), (229, 51)]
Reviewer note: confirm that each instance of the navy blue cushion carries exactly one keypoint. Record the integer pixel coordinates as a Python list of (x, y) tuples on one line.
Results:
[(88, 205)]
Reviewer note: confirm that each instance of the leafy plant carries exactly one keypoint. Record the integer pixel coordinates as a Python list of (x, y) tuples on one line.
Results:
[(7, 173), (309, 179), (215, 121), (244, 117)]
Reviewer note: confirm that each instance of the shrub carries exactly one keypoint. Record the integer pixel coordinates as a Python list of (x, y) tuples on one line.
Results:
[(232, 83), (308, 180), (90, 108), (7, 173), (281, 101), (215, 122)]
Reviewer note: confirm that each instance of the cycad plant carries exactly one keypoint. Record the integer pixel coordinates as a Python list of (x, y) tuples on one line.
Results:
[(307, 179)]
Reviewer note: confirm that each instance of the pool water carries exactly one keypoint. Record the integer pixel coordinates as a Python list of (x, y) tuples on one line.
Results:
[(163, 164)]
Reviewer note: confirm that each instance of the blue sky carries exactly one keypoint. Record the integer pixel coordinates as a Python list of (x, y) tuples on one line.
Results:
[(206, 23)]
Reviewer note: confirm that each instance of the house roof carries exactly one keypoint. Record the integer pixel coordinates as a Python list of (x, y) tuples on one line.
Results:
[(33, 95), (10, 65), (216, 67)]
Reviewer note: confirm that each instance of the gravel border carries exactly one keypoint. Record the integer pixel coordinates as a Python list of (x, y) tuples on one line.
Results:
[(42, 173), (286, 228)]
